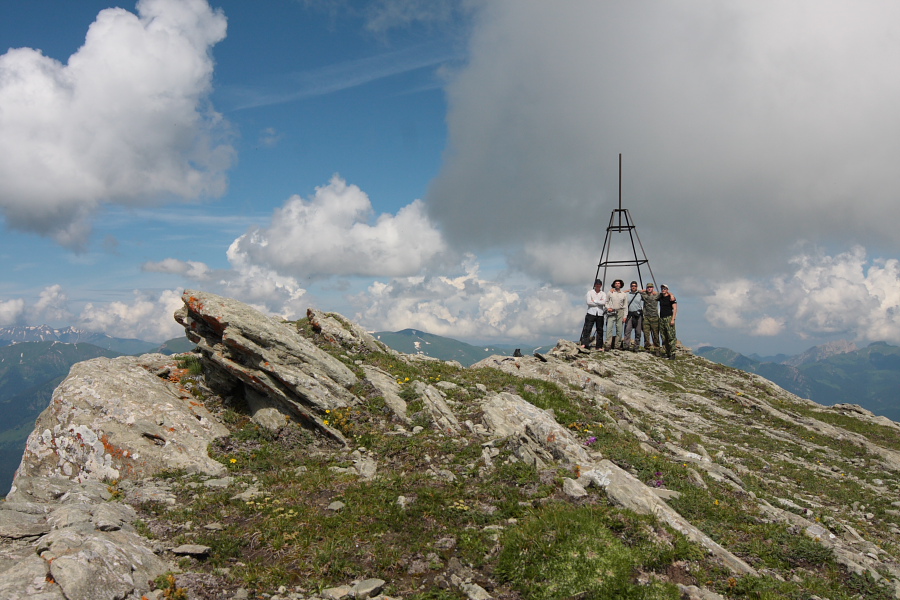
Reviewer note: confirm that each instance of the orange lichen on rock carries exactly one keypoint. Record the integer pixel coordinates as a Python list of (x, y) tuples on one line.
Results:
[(195, 304), (112, 450)]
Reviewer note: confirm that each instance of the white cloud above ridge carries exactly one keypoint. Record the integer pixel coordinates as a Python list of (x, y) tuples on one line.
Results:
[(188, 268), (332, 234), (847, 295), (125, 120), (50, 305), (468, 307), (149, 316), (741, 132), (12, 312)]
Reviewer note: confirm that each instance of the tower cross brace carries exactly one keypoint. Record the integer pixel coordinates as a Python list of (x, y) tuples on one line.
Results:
[(620, 221)]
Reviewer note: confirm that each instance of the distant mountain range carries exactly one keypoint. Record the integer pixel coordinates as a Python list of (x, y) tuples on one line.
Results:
[(413, 341), (833, 373), (70, 335)]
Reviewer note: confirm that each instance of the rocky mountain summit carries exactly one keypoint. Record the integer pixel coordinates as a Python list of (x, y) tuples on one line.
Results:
[(300, 460)]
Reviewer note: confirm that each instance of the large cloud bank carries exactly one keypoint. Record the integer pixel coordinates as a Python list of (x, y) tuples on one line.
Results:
[(147, 315), (470, 306), (744, 126), (125, 120), (847, 295)]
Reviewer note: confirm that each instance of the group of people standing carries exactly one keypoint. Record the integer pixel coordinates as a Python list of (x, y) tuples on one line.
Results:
[(628, 314)]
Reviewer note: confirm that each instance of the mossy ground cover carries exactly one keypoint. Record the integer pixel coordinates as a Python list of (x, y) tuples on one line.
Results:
[(510, 526)]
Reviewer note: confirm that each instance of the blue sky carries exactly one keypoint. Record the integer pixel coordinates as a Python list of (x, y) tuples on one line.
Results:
[(451, 166)]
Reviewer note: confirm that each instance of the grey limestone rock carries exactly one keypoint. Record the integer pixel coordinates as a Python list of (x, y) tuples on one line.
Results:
[(191, 550), (88, 564), (248, 349), (16, 525), (351, 336), (85, 547), (534, 432), (111, 419), (389, 389), (573, 489), (367, 588), (441, 414)]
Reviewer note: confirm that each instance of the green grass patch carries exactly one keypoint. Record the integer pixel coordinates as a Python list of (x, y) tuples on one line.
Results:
[(588, 552)]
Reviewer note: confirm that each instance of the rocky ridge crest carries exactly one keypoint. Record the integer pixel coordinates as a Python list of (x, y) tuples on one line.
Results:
[(96, 456)]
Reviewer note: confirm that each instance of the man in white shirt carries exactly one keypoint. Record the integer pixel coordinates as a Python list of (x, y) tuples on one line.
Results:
[(596, 307)]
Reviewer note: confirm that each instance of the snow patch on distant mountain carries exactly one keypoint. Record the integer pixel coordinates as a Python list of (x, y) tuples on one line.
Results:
[(71, 335), (822, 352)]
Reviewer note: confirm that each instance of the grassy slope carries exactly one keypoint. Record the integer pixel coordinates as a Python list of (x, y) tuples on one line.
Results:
[(510, 529)]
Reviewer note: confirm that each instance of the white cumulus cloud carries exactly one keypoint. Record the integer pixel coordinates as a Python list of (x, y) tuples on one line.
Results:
[(469, 306), (149, 316), (263, 288), (189, 268), (51, 306), (847, 294), (335, 233), (12, 312), (125, 120)]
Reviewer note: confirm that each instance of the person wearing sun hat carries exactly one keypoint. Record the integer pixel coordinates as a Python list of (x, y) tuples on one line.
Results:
[(651, 317), (615, 313), (668, 310)]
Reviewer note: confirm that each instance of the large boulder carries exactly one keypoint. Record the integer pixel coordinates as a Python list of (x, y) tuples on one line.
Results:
[(247, 349), (351, 336), (114, 419)]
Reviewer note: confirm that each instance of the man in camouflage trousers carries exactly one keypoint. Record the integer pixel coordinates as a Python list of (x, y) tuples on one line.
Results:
[(668, 310), (651, 317)]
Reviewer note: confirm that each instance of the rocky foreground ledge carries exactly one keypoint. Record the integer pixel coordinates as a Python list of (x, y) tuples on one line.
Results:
[(67, 528)]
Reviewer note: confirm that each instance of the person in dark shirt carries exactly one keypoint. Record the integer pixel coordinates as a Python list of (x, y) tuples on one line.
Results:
[(668, 310)]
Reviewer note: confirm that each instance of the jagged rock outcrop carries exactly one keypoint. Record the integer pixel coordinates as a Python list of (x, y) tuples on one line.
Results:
[(336, 329), (267, 356), (389, 389)]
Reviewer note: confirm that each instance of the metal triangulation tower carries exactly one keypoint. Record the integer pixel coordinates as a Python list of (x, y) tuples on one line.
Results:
[(619, 222)]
